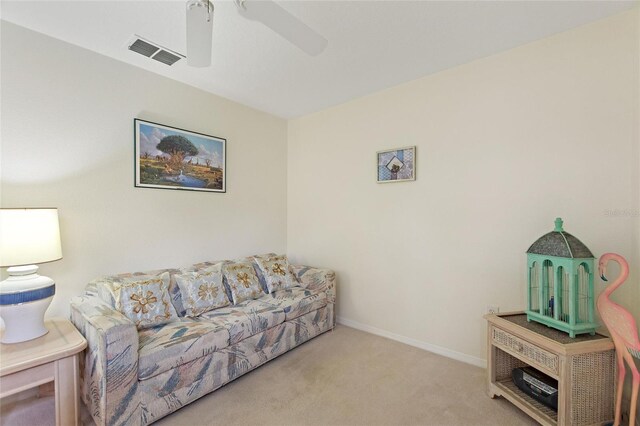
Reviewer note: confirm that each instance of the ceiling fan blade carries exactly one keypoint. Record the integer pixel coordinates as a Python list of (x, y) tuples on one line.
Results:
[(284, 23), (199, 32)]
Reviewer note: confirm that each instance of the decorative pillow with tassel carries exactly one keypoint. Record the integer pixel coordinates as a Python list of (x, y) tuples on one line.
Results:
[(202, 290), (242, 281), (145, 300), (275, 269)]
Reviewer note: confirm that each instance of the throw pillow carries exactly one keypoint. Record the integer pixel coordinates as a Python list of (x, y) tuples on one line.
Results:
[(145, 300), (202, 290), (252, 259), (243, 281), (275, 270)]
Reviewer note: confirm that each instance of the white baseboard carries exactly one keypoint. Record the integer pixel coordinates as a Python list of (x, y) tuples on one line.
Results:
[(458, 356)]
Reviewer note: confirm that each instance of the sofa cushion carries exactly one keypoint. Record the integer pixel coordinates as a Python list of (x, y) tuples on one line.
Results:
[(202, 290), (242, 280), (103, 287), (261, 279), (145, 299), (170, 345), (275, 270), (246, 319), (296, 301)]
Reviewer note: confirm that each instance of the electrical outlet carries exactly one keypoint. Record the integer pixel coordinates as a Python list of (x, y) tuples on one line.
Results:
[(493, 309)]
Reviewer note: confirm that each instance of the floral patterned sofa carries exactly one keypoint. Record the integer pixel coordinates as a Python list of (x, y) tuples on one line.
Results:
[(155, 344)]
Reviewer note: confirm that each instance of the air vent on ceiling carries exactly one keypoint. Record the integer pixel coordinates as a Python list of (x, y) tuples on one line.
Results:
[(154, 51), (143, 48), (166, 57)]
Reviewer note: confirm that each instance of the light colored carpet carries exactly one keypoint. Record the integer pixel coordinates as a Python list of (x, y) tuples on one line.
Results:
[(348, 377), (343, 377), (29, 412)]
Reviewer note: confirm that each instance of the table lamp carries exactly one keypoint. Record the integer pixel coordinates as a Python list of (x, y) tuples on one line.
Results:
[(27, 236)]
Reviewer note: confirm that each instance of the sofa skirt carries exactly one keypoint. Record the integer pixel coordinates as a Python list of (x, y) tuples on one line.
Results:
[(167, 392)]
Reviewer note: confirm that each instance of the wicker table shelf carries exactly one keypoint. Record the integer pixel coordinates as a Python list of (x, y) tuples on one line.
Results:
[(584, 367)]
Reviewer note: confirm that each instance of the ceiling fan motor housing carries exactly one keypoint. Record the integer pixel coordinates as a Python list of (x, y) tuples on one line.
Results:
[(199, 32)]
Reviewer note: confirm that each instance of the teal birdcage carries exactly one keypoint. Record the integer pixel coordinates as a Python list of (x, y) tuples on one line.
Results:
[(560, 291)]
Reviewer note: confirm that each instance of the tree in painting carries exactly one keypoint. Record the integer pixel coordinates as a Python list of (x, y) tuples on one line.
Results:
[(177, 147)]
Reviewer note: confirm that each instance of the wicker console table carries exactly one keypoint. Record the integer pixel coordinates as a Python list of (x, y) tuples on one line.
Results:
[(584, 367)]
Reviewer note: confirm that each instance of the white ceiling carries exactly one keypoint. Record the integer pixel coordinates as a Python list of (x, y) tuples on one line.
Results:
[(372, 44)]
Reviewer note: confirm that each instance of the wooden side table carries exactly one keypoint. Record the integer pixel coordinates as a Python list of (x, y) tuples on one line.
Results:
[(50, 358), (584, 367)]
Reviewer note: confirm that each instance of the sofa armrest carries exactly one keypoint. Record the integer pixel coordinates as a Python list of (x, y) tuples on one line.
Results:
[(110, 367), (316, 279)]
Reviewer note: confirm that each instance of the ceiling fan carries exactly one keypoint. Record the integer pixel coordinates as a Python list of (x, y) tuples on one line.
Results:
[(268, 12)]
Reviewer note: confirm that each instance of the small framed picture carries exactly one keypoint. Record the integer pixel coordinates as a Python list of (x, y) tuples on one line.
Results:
[(397, 165), (171, 158)]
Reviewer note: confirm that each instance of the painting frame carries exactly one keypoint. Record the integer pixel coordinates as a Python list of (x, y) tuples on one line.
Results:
[(158, 169), (386, 158)]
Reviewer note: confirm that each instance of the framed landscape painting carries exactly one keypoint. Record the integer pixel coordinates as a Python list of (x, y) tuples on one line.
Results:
[(397, 165), (171, 158)]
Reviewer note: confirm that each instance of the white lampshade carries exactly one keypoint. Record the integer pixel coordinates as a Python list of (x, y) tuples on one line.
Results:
[(29, 236)]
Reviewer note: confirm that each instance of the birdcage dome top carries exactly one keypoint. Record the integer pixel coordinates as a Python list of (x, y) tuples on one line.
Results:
[(560, 243)]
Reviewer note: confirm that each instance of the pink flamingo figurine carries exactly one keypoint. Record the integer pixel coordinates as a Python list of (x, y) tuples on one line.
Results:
[(624, 332)]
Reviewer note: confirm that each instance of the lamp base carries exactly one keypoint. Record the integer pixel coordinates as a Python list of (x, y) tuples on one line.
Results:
[(24, 321), (24, 299)]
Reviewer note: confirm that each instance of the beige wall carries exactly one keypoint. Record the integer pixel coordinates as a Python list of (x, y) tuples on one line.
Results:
[(504, 145), (67, 142)]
